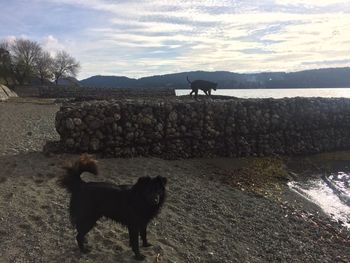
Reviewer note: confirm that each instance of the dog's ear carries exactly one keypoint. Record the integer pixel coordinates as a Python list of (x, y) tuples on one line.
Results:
[(162, 180), (143, 180)]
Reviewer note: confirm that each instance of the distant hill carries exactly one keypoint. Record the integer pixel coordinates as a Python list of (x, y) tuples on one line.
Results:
[(316, 78), (68, 81), (108, 82)]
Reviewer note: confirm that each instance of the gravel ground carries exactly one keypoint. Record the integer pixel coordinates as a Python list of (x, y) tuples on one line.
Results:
[(205, 218), (26, 124)]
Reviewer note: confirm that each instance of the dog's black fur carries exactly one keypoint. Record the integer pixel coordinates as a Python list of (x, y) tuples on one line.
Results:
[(204, 85), (131, 205)]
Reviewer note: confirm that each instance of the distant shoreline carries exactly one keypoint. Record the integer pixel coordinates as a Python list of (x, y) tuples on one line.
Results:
[(276, 88), (277, 93)]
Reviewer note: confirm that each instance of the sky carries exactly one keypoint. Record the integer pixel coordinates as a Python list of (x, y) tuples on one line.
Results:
[(142, 38)]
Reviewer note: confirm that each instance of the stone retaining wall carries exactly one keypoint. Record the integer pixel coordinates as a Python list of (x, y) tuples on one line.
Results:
[(90, 93), (27, 90), (184, 129)]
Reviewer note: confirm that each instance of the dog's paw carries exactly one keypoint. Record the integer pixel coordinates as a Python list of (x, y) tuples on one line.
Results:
[(140, 257), (85, 250)]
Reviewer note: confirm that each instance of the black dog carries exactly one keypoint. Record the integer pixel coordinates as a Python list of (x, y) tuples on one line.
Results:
[(204, 85), (131, 205)]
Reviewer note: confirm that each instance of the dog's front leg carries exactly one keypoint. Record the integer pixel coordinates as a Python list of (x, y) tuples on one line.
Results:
[(143, 234), (134, 242)]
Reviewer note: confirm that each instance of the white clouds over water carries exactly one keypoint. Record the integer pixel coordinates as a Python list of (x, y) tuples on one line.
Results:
[(137, 38)]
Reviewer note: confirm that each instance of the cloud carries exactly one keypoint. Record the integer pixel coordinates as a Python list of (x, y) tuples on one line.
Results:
[(309, 2), (52, 45), (9, 39), (138, 38)]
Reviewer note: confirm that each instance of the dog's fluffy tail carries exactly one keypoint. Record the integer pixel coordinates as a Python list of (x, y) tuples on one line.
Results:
[(71, 180), (188, 80)]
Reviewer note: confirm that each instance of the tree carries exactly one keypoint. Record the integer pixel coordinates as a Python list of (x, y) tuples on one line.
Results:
[(5, 63), (44, 66), (64, 66), (22, 59), (24, 54)]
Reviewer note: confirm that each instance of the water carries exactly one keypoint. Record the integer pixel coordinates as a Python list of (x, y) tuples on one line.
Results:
[(331, 193), (276, 93)]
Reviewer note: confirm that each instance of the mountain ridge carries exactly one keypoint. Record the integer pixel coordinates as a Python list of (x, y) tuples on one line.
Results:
[(313, 78)]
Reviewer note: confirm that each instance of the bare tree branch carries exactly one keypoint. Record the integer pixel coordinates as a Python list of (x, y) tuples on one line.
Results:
[(65, 66), (24, 53), (23, 59), (44, 66)]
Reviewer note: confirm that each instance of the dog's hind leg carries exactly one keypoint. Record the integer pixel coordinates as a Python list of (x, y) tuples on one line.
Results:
[(134, 241), (83, 227), (143, 234), (196, 94)]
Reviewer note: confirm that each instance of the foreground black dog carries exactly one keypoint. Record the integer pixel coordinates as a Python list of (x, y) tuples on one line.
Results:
[(131, 205)]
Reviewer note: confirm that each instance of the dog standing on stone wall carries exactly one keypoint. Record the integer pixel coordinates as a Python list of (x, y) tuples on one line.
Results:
[(204, 85)]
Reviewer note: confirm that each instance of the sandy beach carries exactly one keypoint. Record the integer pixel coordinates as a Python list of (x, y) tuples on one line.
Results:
[(214, 211)]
